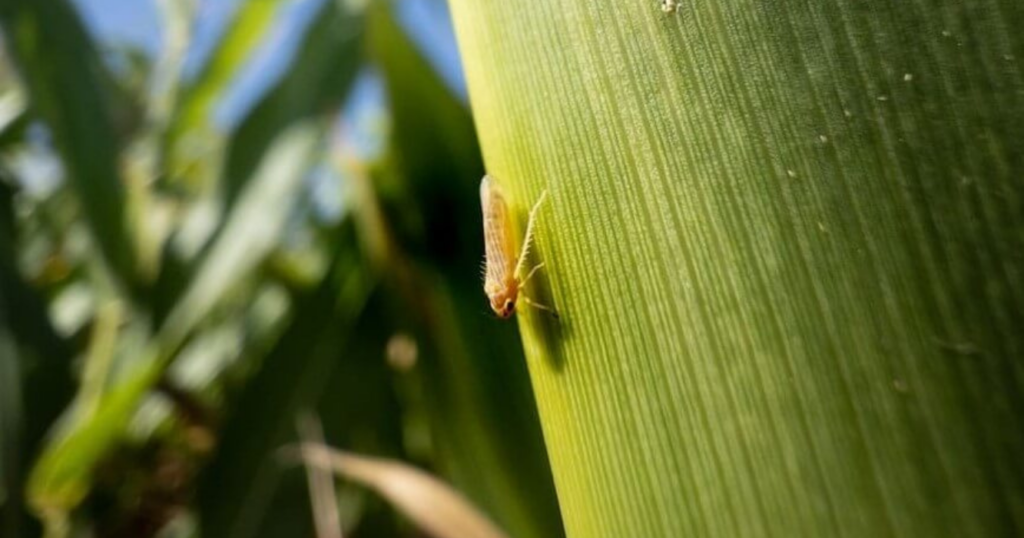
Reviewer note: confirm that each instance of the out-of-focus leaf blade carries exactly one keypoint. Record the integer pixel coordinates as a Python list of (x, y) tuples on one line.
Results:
[(146, 159), (331, 363), (251, 230), (62, 476), (193, 117), (69, 90), (323, 496), (432, 505), (432, 145), (321, 75)]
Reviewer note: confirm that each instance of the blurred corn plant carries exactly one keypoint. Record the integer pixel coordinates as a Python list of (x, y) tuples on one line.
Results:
[(173, 292)]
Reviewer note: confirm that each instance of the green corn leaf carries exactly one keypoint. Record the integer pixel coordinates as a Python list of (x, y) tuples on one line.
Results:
[(62, 476), (785, 242)]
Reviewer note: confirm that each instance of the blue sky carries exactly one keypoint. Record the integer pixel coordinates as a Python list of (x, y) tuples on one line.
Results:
[(137, 22)]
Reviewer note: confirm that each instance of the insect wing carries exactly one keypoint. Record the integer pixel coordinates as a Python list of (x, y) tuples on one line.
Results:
[(499, 242)]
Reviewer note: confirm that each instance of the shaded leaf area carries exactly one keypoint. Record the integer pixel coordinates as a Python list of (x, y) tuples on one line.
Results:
[(35, 378), (785, 243), (10, 430), (54, 54), (297, 373), (475, 385), (11, 414), (46, 378), (348, 382)]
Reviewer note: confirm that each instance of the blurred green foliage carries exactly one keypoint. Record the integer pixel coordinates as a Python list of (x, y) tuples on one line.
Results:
[(174, 299)]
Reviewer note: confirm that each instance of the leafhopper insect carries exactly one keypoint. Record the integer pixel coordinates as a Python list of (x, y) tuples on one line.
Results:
[(503, 269)]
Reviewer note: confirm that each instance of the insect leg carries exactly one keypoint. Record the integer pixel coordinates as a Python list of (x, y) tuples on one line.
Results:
[(530, 274), (528, 240), (539, 306)]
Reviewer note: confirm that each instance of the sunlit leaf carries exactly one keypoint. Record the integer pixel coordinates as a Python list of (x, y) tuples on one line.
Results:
[(784, 239)]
